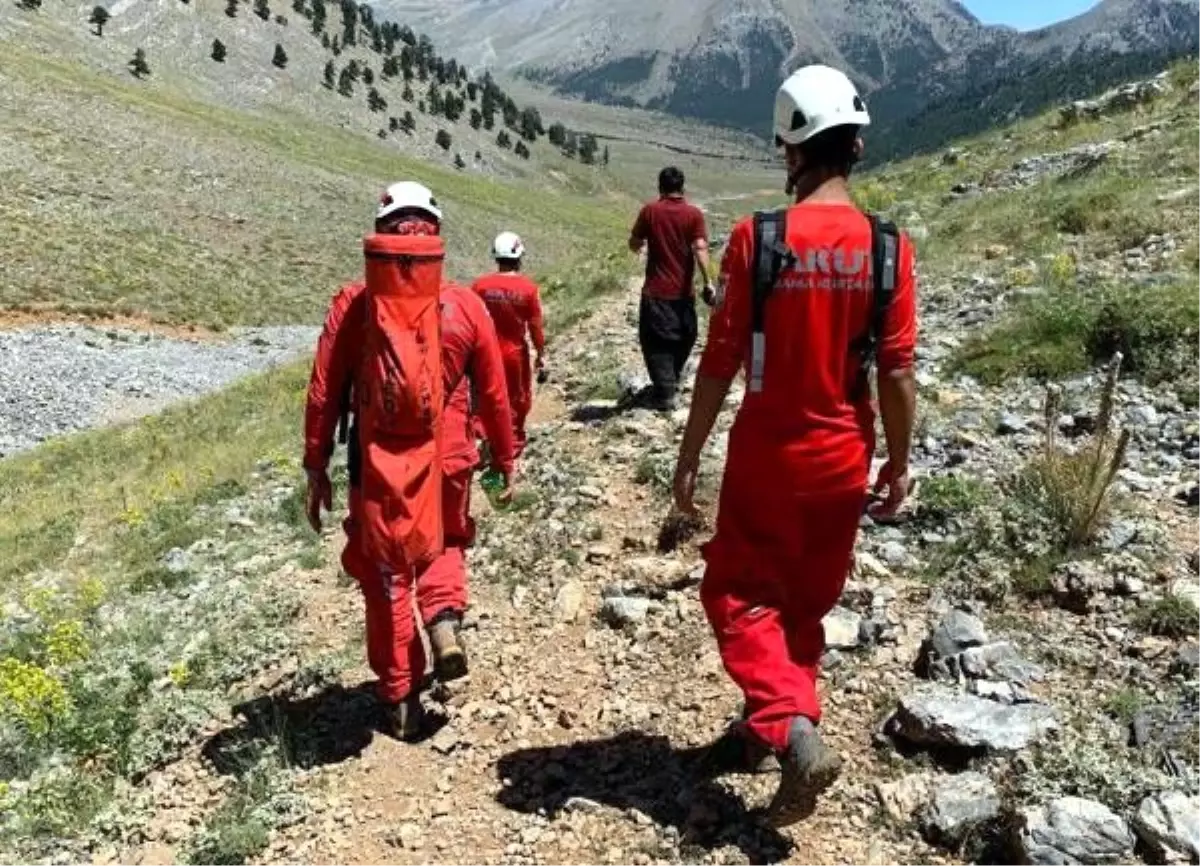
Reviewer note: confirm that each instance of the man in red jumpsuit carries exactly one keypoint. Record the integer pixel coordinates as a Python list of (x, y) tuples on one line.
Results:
[(796, 477), (471, 362), (516, 308)]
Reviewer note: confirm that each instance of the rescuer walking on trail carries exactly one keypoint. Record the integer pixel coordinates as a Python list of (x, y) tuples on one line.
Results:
[(809, 298), (673, 234), (403, 351), (516, 308)]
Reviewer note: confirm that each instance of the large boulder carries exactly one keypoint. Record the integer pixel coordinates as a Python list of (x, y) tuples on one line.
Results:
[(960, 805), (941, 718), (842, 629), (1169, 825), (1073, 830)]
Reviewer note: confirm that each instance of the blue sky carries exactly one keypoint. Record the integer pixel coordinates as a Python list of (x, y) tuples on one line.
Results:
[(1026, 14)]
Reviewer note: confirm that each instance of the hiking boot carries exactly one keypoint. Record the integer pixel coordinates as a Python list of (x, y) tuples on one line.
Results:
[(736, 751), (809, 767), (449, 657), (404, 720)]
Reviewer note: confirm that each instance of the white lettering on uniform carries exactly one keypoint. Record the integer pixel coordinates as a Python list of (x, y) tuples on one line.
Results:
[(827, 269)]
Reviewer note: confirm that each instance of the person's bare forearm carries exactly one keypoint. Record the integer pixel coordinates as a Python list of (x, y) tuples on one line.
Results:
[(898, 408), (703, 261), (707, 400)]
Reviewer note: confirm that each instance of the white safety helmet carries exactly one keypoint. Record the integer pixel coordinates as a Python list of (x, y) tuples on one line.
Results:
[(814, 99), (508, 246), (408, 195)]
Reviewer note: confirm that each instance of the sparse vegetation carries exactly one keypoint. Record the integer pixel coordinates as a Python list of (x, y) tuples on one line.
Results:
[(1171, 616), (1072, 489), (1070, 328)]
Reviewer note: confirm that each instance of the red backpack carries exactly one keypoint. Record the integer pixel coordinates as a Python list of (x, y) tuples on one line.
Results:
[(400, 400)]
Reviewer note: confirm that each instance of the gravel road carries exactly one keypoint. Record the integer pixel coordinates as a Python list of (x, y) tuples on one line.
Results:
[(62, 378)]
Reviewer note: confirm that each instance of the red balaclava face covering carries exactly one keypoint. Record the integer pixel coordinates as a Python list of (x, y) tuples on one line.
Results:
[(414, 226)]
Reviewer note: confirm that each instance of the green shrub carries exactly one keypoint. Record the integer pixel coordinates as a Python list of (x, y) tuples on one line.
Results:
[(1171, 616), (944, 496), (1068, 329)]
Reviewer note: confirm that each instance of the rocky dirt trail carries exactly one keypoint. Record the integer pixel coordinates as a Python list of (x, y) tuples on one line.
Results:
[(595, 688), (596, 685)]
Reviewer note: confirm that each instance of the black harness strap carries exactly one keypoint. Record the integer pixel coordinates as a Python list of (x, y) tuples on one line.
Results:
[(772, 256)]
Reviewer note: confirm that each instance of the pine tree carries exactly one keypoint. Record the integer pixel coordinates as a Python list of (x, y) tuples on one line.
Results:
[(557, 134), (408, 123), (458, 162), (472, 91), (393, 124), (262, 9), (325, 41), (531, 124), (99, 18), (391, 67), (31, 4), (587, 149), (503, 139), (476, 118), (138, 65), (376, 102), (489, 120), (299, 7), (521, 150), (231, 8), (218, 51), (368, 76), (346, 83), (318, 20), (330, 75), (407, 95), (604, 158), (443, 139), (280, 60)]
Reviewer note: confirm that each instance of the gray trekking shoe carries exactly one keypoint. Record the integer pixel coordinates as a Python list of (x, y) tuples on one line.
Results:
[(449, 657), (809, 767), (404, 720)]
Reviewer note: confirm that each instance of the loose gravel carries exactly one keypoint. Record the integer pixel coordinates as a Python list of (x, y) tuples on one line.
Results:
[(62, 378)]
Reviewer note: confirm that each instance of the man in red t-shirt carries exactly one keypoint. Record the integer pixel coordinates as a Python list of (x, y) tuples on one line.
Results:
[(800, 449), (471, 363), (516, 307), (675, 239)]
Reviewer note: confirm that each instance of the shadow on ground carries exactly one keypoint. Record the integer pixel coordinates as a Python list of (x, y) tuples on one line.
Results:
[(643, 772), (329, 727)]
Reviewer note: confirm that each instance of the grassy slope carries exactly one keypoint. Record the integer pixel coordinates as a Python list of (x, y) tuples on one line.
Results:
[(129, 197)]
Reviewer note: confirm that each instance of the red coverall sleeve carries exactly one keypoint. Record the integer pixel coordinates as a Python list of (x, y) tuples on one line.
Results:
[(487, 376), (332, 370), (897, 345), (729, 326), (537, 329)]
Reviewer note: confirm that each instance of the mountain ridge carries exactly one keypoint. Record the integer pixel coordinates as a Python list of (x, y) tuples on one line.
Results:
[(720, 60)]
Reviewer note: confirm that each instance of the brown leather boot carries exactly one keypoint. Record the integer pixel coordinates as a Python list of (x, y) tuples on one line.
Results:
[(404, 720), (449, 657)]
